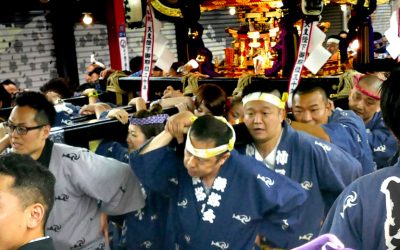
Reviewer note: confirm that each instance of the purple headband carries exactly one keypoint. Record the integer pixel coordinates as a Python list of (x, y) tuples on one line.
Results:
[(154, 119)]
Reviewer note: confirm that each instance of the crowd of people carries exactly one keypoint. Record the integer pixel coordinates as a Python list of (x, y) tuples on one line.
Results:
[(220, 172)]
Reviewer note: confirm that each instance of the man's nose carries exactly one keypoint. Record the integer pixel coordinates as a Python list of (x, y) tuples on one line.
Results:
[(13, 132), (257, 118), (191, 161), (306, 117)]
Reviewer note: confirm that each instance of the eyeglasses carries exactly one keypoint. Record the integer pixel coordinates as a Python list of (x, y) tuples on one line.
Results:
[(20, 130)]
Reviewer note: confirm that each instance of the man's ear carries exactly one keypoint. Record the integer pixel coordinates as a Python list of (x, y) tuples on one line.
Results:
[(224, 157), (330, 106), (46, 131), (35, 215), (282, 114), (351, 93)]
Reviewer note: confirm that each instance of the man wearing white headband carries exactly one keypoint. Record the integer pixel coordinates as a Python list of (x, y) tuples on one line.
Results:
[(315, 115), (332, 45), (364, 100), (322, 169), (219, 198)]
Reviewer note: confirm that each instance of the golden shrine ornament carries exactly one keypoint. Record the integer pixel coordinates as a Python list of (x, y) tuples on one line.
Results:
[(166, 10)]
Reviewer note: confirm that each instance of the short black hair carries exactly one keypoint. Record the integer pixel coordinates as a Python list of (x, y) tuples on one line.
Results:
[(5, 97), (303, 89), (97, 70), (207, 127), (8, 82), (46, 114), (263, 87), (59, 85), (390, 102), (33, 183), (157, 69), (135, 64), (176, 65)]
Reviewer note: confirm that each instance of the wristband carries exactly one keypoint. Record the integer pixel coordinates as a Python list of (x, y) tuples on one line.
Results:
[(93, 94)]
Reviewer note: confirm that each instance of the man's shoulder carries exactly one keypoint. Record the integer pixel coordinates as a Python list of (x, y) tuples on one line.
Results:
[(346, 119), (375, 180), (376, 122), (247, 165), (75, 153), (341, 115), (65, 148)]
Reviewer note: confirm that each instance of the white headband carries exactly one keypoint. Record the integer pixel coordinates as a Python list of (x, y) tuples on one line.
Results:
[(266, 97), (211, 152), (333, 40)]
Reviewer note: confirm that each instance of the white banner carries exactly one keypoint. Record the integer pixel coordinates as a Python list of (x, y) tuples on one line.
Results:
[(123, 49), (148, 44), (392, 35), (301, 57), (311, 55)]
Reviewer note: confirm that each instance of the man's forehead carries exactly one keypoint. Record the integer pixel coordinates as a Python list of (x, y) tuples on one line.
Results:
[(312, 96), (368, 91), (24, 114), (258, 104), (370, 87), (366, 96)]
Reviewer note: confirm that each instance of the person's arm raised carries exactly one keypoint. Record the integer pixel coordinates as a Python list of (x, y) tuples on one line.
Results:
[(176, 127), (161, 140), (138, 102)]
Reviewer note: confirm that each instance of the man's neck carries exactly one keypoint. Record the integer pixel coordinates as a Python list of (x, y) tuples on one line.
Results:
[(368, 119), (265, 148), (33, 235), (45, 155), (208, 181), (36, 155)]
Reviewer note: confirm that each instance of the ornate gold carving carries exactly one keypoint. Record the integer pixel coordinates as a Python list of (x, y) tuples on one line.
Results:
[(168, 11)]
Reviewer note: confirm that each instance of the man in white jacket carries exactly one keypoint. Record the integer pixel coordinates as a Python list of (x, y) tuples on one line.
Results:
[(87, 184)]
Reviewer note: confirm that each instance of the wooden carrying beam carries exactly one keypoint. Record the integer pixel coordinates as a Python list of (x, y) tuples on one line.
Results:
[(81, 134), (76, 100), (158, 84)]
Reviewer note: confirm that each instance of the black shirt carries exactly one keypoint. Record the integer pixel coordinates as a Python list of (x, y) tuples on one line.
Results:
[(45, 157)]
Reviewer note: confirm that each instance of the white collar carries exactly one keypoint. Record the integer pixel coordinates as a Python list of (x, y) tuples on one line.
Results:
[(269, 160), (41, 238)]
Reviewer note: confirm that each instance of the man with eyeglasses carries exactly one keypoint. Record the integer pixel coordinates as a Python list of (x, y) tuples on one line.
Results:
[(84, 179)]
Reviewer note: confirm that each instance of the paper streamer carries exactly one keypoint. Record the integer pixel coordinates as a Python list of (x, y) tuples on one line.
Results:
[(147, 53)]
